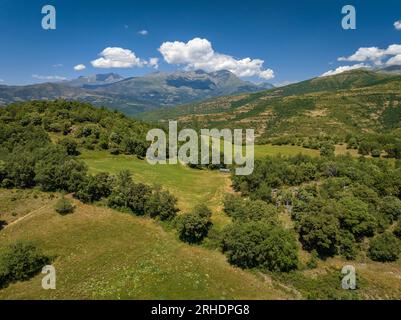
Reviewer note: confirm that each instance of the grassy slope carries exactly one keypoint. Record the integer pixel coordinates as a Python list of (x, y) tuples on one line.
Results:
[(101, 253)]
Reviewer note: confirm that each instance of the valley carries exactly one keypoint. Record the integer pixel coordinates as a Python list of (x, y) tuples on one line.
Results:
[(323, 186)]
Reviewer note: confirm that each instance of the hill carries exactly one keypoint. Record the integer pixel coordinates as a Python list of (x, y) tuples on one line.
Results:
[(355, 102)]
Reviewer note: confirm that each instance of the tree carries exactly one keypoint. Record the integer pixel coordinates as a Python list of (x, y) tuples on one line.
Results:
[(257, 244), (390, 206), (320, 232), (127, 195), (20, 169), (250, 210), (95, 188), (21, 261), (384, 248), (278, 252), (260, 211), (347, 245), (161, 204), (356, 218), (194, 227)]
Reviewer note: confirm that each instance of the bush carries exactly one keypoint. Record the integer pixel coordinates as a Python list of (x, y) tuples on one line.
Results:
[(64, 206), (258, 244), (194, 227), (95, 188), (384, 248), (161, 204), (19, 262)]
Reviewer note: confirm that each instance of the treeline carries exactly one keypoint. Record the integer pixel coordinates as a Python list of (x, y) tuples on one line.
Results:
[(30, 124), (336, 202)]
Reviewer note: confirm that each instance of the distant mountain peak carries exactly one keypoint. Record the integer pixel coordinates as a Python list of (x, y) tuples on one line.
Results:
[(137, 94)]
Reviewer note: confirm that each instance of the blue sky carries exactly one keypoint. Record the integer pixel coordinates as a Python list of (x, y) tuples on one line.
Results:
[(297, 40)]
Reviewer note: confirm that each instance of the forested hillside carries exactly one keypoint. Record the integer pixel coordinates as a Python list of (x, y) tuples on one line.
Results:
[(360, 108)]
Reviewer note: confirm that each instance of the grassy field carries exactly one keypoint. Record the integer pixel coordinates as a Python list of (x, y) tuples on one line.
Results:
[(190, 186), (270, 150), (103, 254)]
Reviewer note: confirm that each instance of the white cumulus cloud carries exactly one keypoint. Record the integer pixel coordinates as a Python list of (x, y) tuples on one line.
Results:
[(79, 67), (344, 69), (115, 57), (397, 25), (199, 54), (376, 55), (373, 54), (48, 78)]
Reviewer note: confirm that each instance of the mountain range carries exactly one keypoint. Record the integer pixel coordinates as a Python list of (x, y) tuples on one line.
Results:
[(136, 94)]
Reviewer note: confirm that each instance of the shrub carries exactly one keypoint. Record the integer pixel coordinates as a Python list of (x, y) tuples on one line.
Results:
[(194, 227), (161, 204), (21, 261), (64, 206), (384, 248)]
